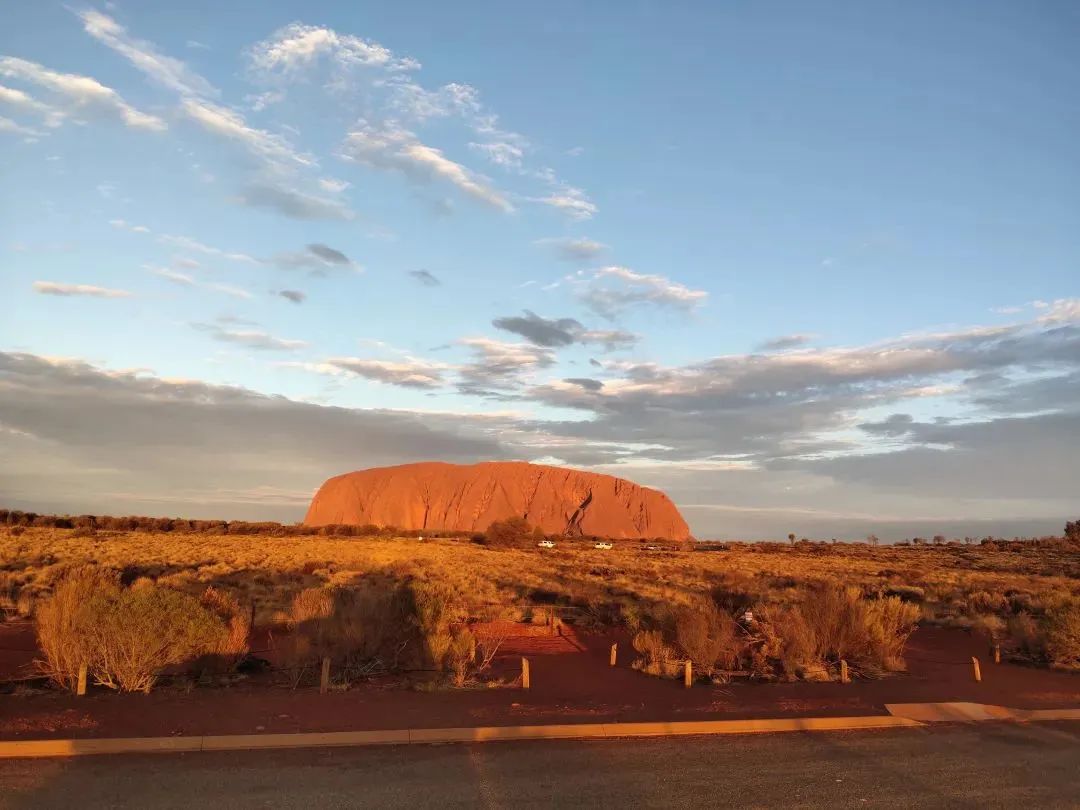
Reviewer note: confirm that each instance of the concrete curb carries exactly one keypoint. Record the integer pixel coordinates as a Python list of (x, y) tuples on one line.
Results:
[(975, 713), (584, 731), (901, 715)]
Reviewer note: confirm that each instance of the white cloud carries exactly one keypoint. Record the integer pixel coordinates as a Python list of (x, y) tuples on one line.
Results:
[(124, 225), (25, 103), (573, 249), (187, 243), (297, 47), (7, 125), (500, 153), (165, 70), (571, 201), (231, 125), (81, 94), (409, 372), (59, 288), (333, 185), (1063, 310), (636, 288), (251, 338), (391, 147)]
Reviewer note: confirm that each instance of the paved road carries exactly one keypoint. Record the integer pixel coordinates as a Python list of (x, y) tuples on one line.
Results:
[(991, 765)]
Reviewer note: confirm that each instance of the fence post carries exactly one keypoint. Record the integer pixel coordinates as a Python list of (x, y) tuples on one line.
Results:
[(80, 688), (975, 667), (324, 681), (525, 683), (997, 653), (844, 676), (688, 675), (614, 652)]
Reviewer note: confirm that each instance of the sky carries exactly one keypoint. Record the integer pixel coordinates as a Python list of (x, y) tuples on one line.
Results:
[(808, 269)]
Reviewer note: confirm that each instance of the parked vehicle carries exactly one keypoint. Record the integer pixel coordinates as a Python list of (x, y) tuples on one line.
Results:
[(546, 544), (604, 546)]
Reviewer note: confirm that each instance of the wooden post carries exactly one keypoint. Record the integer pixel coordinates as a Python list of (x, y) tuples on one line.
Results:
[(975, 667), (997, 653), (525, 684), (324, 681), (844, 676), (80, 688), (688, 675), (614, 653)]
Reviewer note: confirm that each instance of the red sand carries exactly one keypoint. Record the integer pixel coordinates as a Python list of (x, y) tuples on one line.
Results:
[(571, 682), (435, 495)]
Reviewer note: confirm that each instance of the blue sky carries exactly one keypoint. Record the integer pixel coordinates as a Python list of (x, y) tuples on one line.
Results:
[(809, 270)]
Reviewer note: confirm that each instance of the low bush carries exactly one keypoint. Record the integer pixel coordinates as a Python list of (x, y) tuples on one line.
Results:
[(709, 637), (1061, 630), (125, 636)]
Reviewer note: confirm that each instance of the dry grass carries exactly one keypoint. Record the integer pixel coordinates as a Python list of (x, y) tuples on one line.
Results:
[(954, 584)]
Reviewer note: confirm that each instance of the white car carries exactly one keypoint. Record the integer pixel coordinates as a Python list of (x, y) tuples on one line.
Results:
[(546, 544), (604, 546)]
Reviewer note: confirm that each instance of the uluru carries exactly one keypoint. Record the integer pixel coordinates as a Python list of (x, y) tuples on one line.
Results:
[(469, 498)]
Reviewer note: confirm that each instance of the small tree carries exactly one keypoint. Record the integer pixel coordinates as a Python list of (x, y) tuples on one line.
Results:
[(1072, 530), (513, 531), (872, 539), (791, 538)]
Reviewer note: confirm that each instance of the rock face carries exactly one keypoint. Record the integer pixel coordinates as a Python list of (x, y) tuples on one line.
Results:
[(435, 495)]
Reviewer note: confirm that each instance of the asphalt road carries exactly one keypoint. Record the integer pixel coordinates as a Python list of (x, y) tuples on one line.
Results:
[(990, 765)]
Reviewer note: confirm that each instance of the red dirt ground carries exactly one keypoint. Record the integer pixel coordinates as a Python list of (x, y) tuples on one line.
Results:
[(571, 682)]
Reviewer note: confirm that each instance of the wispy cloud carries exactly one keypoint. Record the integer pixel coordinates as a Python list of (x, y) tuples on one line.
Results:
[(408, 372), (573, 249), (90, 290), (250, 338), (79, 96), (164, 70), (614, 289), (425, 278), (391, 147)]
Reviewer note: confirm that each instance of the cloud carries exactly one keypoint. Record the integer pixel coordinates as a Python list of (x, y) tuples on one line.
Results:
[(631, 289), (163, 70), (251, 338), (425, 278), (86, 434), (498, 367), (292, 202), (230, 125), (571, 201), (127, 226), (7, 125), (389, 147), (329, 254), (408, 372), (573, 250), (58, 288), (295, 296), (296, 48), (786, 342), (187, 243), (25, 103), (80, 96), (186, 280), (587, 383), (171, 275), (553, 333), (316, 257)]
